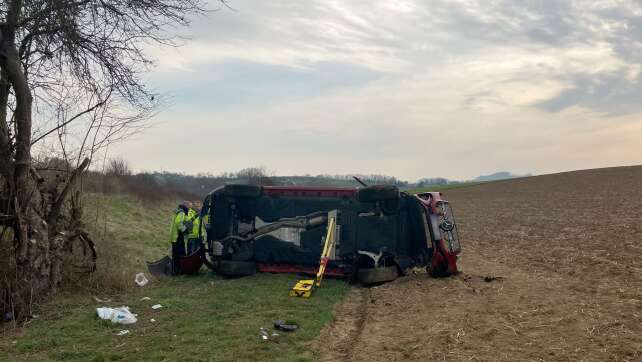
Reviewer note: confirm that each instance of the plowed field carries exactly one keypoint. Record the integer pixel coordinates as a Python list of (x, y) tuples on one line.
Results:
[(551, 270)]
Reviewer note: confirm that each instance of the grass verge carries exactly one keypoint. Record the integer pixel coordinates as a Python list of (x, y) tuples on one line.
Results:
[(127, 233), (203, 318)]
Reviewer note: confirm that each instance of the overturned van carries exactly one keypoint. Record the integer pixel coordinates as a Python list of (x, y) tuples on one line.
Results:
[(381, 232)]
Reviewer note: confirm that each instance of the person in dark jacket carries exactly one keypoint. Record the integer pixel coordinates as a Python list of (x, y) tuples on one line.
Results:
[(179, 228)]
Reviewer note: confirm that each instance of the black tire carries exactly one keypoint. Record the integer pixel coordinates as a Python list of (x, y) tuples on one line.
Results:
[(242, 190), (378, 193), (236, 268), (377, 275), (237, 250)]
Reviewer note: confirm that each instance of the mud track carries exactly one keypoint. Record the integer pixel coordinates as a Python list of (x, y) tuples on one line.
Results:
[(551, 270)]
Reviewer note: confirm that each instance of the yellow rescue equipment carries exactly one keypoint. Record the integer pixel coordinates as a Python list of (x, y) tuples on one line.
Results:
[(303, 288)]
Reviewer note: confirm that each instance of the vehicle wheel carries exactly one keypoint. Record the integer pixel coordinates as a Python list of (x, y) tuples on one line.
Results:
[(236, 250), (377, 193), (243, 255), (236, 268), (377, 275), (242, 190)]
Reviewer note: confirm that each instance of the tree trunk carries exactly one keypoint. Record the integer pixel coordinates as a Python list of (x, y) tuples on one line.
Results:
[(32, 240), (32, 250), (37, 253)]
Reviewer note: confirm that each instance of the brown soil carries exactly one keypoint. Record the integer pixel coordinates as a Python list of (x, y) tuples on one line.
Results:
[(564, 257)]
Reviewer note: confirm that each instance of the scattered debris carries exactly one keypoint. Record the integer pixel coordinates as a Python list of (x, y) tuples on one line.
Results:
[(101, 300), (120, 315), (287, 326), (265, 335), (157, 306), (274, 337), (145, 298), (153, 320), (141, 280), (123, 332), (490, 278)]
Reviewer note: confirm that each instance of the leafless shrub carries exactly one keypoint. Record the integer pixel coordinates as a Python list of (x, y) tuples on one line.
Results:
[(118, 167), (256, 176)]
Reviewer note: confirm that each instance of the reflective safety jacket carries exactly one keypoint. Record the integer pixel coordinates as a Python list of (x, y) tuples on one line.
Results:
[(195, 227), (178, 225), (194, 221)]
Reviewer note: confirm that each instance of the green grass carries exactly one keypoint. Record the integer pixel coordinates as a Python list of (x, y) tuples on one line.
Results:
[(127, 233), (204, 317), (139, 228)]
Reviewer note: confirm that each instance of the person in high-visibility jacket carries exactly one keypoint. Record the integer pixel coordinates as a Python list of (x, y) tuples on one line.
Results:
[(178, 230), (193, 239)]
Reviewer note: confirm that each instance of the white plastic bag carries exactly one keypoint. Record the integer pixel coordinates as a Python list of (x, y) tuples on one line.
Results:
[(120, 315), (141, 280)]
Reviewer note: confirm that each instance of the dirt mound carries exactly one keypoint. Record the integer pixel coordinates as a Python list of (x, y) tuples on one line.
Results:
[(551, 270)]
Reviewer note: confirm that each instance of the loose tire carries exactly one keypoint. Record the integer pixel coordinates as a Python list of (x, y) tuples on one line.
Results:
[(242, 190), (377, 275), (236, 268), (378, 193)]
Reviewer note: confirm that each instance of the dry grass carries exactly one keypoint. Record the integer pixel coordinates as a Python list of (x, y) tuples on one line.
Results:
[(127, 232)]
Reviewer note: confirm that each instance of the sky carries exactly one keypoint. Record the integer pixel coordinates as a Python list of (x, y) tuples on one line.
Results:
[(409, 89)]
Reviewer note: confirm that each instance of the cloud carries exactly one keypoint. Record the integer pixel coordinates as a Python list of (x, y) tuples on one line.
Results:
[(244, 83), (573, 39), (411, 88)]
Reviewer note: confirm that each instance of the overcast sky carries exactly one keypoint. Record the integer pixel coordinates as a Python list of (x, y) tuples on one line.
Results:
[(404, 88)]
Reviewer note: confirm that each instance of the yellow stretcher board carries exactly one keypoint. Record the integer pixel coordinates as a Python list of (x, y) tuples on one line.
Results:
[(303, 288)]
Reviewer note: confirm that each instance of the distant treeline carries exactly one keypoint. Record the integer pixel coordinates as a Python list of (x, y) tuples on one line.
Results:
[(200, 185), (117, 177)]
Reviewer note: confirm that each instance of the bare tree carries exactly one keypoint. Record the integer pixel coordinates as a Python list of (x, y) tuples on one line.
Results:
[(259, 176), (118, 167), (64, 65)]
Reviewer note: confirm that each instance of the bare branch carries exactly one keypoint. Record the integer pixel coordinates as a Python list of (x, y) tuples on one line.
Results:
[(57, 205), (88, 110)]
